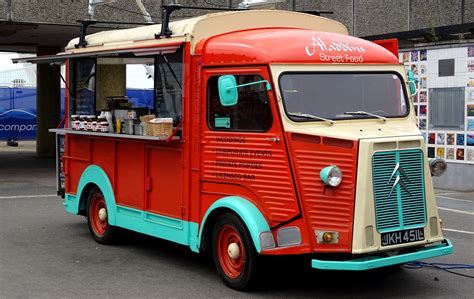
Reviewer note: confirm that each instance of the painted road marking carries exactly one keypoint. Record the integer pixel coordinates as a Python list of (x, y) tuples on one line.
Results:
[(456, 211), (446, 193), (452, 198), (458, 231), (28, 196)]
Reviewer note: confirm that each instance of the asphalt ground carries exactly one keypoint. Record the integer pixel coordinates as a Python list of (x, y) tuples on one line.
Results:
[(47, 253)]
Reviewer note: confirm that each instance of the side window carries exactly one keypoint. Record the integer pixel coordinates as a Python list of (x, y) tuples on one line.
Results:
[(251, 113), (169, 81)]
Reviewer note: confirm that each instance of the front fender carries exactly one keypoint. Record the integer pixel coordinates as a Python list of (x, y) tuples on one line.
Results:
[(248, 212)]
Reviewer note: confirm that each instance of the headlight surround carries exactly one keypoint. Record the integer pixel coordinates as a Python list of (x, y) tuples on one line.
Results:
[(331, 175), (438, 166)]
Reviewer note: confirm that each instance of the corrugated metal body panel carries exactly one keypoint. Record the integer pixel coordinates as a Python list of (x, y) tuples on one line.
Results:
[(253, 161), (326, 208)]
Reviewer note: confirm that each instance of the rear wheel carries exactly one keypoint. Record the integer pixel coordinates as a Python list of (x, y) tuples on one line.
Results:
[(234, 253), (97, 218)]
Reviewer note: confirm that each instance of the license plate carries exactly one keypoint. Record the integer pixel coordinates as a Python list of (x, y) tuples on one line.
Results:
[(403, 236)]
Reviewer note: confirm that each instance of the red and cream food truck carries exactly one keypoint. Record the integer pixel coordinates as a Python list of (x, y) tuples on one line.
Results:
[(265, 133)]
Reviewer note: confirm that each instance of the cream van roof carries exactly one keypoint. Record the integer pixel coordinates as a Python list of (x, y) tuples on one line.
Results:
[(198, 28)]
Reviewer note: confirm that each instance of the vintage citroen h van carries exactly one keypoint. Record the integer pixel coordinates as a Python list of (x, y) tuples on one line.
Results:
[(288, 137)]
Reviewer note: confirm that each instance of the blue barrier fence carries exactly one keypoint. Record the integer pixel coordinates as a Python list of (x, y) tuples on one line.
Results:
[(18, 110)]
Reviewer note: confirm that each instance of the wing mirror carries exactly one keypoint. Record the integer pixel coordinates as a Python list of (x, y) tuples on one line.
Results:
[(412, 81), (228, 89)]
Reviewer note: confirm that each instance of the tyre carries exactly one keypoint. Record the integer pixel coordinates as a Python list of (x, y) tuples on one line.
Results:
[(97, 219), (234, 253)]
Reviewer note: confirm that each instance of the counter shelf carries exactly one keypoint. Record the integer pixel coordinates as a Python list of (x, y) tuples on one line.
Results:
[(112, 135)]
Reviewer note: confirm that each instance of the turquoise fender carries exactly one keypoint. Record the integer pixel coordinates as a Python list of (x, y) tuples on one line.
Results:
[(248, 212), (94, 174)]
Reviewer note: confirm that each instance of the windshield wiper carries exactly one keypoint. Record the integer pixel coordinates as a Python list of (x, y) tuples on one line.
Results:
[(310, 116), (384, 119)]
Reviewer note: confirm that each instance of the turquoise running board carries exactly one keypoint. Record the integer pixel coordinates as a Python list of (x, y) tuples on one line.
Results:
[(372, 262)]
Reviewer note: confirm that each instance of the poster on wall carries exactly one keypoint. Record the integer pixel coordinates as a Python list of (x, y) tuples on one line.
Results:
[(406, 57), (440, 152), (470, 83), (450, 153), (422, 69), (431, 152), (431, 138), (422, 125), (470, 110), (450, 139), (470, 95), (414, 56), (423, 55), (470, 65), (459, 139), (440, 138), (470, 154), (423, 83), (422, 96), (470, 139), (470, 51), (470, 132), (422, 110), (460, 154)]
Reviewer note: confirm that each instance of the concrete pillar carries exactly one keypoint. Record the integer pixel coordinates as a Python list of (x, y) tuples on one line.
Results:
[(48, 103)]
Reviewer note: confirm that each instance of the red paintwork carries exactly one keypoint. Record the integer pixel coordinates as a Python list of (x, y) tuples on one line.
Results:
[(228, 235), (99, 226), (263, 46), (389, 44), (124, 161), (325, 208)]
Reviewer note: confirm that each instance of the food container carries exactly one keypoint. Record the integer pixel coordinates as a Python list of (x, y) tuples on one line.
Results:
[(82, 122), (159, 127), (100, 120), (129, 125), (137, 129), (90, 122), (104, 126), (75, 123)]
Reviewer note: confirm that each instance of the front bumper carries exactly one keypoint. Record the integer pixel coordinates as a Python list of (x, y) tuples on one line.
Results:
[(377, 261)]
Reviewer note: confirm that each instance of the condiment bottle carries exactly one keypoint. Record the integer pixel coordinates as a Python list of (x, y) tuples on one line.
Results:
[(118, 126)]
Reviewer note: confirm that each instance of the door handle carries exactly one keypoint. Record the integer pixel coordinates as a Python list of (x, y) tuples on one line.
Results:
[(275, 139)]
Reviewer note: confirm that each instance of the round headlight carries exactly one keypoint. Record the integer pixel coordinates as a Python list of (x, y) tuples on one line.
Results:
[(331, 176), (438, 166)]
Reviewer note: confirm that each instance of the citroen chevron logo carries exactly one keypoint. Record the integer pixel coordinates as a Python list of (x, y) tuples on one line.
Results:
[(399, 174)]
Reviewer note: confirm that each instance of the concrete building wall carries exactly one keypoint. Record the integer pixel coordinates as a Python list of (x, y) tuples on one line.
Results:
[(468, 15), (380, 16), (435, 13), (362, 17)]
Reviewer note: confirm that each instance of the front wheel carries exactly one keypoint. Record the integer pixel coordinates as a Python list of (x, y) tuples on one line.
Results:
[(97, 218), (234, 253)]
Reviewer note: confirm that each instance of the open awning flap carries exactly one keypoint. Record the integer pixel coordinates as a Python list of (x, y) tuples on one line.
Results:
[(61, 57)]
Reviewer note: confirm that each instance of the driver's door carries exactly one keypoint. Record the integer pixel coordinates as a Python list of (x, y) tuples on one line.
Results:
[(242, 149)]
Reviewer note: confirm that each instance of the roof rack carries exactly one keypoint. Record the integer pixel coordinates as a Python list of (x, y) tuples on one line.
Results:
[(86, 23), (167, 10)]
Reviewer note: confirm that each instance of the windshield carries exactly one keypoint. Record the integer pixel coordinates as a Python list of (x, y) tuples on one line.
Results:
[(320, 96)]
